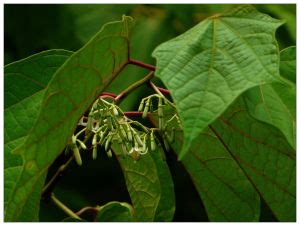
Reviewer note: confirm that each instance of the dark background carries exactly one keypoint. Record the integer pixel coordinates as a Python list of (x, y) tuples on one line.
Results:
[(29, 29)]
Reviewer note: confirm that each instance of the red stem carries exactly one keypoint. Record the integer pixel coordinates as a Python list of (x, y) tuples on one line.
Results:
[(107, 94), (117, 97), (141, 64), (133, 113), (87, 209), (164, 91)]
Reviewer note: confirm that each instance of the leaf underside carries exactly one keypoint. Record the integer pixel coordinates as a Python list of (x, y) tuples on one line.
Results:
[(210, 65)]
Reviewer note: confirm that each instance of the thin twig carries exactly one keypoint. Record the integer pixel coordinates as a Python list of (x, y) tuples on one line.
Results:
[(133, 87), (94, 210), (142, 64), (133, 113), (164, 91), (156, 89), (63, 207), (49, 187), (107, 94)]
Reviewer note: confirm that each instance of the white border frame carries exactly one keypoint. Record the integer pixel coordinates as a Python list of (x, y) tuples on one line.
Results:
[(130, 2)]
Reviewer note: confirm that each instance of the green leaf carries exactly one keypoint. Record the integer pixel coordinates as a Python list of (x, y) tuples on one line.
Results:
[(276, 103), (210, 65), (115, 212), (224, 189), (265, 157), (10, 174), (149, 184), (288, 63), (31, 207), (70, 92), (235, 160), (158, 23), (24, 84)]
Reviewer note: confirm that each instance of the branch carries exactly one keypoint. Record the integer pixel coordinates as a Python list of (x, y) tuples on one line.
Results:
[(133, 87), (142, 64), (133, 113), (163, 91), (49, 187), (158, 91), (64, 208), (93, 210), (107, 94)]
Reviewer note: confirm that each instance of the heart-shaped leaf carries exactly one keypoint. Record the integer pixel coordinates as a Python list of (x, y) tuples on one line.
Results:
[(210, 65)]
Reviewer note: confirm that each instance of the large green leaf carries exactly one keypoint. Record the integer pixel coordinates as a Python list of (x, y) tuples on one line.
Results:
[(237, 158), (210, 65), (24, 84), (276, 103), (224, 189), (10, 174), (30, 212), (264, 156), (115, 212), (71, 91), (150, 185)]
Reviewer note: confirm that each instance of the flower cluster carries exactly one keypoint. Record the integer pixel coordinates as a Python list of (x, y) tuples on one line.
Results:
[(108, 124)]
